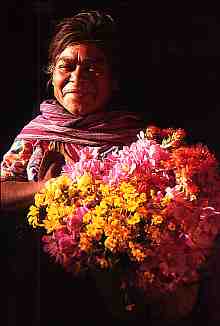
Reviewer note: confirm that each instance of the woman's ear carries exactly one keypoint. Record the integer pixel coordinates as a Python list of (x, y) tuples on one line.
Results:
[(50, 82), (49, 87)]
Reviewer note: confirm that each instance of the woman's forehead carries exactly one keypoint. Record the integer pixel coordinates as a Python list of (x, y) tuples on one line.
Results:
[(81, 52)]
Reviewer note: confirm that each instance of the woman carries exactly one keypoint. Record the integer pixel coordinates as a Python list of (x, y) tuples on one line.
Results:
[(83, 68), (83, 62)]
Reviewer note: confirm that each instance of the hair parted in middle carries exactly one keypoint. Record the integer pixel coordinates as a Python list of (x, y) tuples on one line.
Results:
[(93, 26)]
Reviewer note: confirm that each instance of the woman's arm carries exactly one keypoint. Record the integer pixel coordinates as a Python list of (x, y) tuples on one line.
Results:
[(20, 194)]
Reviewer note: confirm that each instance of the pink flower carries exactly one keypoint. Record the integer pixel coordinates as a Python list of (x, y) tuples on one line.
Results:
[(181, 186)]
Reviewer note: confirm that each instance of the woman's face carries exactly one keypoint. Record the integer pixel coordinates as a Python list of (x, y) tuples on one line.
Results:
[(82, 79)]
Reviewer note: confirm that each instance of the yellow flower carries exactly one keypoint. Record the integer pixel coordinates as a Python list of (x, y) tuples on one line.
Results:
[(33, 216), (57, 189), (52, 222), (103, 204), (114, 222), (100, 209), (136, 251), (134, 219), (117, 201), (166, 199), (39, 199), (63, 181), (55, 214), (111, 243), (127, 189), (94, 231), (89, 199), (105, 189), (87, 217), (85, 242), (98, 221), (156, 219), (143, 197), (132, 205), (52, 192), (83, 182), (152, 193)]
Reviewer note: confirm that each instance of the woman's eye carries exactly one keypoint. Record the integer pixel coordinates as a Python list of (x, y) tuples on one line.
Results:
[(88, 67), (66, 67), (92, 68)]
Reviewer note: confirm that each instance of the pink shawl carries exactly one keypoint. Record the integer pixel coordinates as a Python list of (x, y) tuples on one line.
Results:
[(99, 129)]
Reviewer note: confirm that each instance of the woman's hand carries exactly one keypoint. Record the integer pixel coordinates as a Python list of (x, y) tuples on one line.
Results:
[(51, 165)]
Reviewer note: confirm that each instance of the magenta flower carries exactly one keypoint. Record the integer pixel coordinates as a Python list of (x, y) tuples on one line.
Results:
[(165, 229)]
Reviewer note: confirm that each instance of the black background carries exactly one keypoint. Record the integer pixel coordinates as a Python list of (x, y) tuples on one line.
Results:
[(170, 68), (170, 72)]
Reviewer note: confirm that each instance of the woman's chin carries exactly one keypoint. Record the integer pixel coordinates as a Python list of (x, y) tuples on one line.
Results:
[(80, 109), (81, 105), (74, 107)]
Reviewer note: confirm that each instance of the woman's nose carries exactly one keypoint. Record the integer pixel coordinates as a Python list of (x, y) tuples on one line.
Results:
[(77, 74)]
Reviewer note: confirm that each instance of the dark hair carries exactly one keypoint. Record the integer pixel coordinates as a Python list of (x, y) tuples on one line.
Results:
[(87, 26)]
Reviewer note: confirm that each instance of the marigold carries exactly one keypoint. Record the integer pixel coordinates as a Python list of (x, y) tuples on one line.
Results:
[(150, 210)]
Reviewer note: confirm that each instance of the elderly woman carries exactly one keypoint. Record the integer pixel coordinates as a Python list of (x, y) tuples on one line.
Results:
[(83, 69), (83, 66), (83, 57)]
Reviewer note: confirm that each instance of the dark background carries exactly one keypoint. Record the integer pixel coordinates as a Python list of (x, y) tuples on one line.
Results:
[(170, 72), (170, 68)]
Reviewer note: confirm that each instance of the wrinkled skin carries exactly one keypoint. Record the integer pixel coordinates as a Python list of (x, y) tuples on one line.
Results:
[(82, 79)]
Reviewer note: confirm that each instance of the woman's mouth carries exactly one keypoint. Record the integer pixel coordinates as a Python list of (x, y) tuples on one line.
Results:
[(78, 92), (71, 90)]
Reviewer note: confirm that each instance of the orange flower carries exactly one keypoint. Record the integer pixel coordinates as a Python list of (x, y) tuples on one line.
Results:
[(85, 242)]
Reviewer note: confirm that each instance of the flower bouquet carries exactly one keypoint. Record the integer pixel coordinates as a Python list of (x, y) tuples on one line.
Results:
[(150, 211)]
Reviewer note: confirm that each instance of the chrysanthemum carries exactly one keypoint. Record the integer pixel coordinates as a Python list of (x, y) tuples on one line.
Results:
[(151, 209)]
